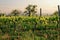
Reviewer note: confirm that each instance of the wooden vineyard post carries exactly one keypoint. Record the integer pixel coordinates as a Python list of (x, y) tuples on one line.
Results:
[(59, 10), (58, 22), (40, 12), (59, 17)]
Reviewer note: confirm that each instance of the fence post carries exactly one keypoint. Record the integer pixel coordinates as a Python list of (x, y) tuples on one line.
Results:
[(59, 16), (59, 10), (58, 22), (40, 12)]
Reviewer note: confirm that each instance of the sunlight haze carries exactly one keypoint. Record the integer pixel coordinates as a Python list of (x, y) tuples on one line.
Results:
[(48, 6)]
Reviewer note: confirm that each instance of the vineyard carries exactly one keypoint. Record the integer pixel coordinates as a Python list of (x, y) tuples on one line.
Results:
[(29, 28)]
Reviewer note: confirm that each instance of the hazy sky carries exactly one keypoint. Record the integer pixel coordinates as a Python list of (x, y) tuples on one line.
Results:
[(48, 6)]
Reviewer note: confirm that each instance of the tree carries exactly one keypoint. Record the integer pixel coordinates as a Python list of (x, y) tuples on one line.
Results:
[(15, 13), (30, 10), (2, 14), (55, 13)]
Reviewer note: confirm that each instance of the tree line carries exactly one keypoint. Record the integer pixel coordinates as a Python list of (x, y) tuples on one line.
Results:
[(31, 10)]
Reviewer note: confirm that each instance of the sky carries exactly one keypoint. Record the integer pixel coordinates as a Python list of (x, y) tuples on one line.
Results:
[(48, 6)]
